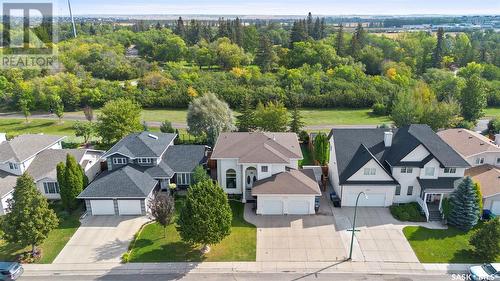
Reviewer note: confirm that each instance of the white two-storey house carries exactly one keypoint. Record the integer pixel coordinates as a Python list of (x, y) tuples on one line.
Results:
[(401, 165), (263, 166)]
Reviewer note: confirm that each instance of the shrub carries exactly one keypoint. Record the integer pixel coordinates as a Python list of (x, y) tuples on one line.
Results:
[(379, 109), (304, 137), (126, 257), (466, 125), (494, 125), (166, 127), (486, 240), (407, 212)]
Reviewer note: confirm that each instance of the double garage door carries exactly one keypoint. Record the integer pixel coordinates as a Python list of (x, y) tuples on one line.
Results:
[(373, 200), (107, 207), (288, 206)]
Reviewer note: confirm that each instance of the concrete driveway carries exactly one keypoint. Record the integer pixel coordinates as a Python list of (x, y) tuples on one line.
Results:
[(297, 238), (380, 237), (101, 239)]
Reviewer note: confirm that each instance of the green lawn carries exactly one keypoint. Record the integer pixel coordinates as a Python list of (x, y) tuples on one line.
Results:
[(492, 111), (35, 126), (314, 117), (442, 245), (151, 246), (51, 246)]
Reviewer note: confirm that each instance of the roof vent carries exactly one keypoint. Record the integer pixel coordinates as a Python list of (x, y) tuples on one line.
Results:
[(152, 136)]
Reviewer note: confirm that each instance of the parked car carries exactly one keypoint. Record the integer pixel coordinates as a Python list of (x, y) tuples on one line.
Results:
[(487, 271), (335, 199), (10, 270)]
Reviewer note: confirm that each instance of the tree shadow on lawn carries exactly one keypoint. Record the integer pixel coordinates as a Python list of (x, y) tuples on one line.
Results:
[(171, 252), (423, 234)]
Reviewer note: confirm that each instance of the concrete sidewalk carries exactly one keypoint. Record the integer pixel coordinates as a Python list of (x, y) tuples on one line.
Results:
[(242, 267)]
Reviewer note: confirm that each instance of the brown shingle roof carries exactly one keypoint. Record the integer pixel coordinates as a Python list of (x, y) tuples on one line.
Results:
[(296, 182), (466, 142), (488, 177), (258, 147)]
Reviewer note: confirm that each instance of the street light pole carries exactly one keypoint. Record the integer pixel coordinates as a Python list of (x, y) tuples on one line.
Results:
[(354, 223)]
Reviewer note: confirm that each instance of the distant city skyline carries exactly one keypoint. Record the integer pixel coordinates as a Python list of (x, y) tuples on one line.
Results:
[(281, 7)]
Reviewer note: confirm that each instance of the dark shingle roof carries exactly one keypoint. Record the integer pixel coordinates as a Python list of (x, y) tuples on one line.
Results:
[(126, 182), (45, 162), (184, 158), (355, 147), (7, 183), (23, 147), (440, 183), (144, 144)]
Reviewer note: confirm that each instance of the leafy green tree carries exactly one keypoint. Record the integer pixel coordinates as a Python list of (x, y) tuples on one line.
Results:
[(265, 57), (473, 99), (71, 182), (166, 127), (229, 55), (84, 129), (486, 240), (162, 208), (464, 205), (273, 117), (372, 58), (245, 121), (208, 117), (30, 219), (206, 215), (23, 105), (405, 110), (200, 174), (118, 118), (321, 149)]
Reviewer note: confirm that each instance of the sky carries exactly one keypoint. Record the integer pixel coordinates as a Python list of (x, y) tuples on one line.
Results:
[(282, 7)]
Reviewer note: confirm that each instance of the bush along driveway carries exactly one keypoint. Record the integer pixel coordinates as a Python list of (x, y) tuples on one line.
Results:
[(55, 242), (443, 245), (150, 244)]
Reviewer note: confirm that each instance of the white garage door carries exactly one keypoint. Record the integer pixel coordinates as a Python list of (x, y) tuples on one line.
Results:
[(102, 207), (129, 207), (495, 207), (271, 207), (374, 200), (298, 207)]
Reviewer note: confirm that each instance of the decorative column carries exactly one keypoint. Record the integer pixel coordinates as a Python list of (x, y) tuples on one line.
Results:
[(243, 187)]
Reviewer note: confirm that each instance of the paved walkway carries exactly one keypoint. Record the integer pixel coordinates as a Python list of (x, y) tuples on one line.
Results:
[(232, 267), (100, 239)]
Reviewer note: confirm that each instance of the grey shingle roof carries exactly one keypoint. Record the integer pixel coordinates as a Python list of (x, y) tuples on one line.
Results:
[(184, 158), (45, 163), (144, 144), (355, 147), (440, 183), (126, 182), (23, 147), (7, 183)]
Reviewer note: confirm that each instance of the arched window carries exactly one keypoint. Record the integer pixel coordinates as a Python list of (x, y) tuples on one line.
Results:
[(230, 179)]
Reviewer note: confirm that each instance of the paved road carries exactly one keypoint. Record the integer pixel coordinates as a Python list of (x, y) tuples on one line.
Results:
[(243, 276)]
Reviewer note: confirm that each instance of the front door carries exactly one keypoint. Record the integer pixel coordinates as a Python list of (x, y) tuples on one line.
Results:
[(251, 175)]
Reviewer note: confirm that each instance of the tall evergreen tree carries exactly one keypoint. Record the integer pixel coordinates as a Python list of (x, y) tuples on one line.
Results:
[(316, 34), (357, 41), (322, 29), (265, 55), (298, 33), (238, 32), (30, 219), (310, 25), (180, 29), (193, 32), (464, 212), (245, 121), (71, 182), (296, 123), (360, 35), (439, 49), (223, 28), (340, 41)]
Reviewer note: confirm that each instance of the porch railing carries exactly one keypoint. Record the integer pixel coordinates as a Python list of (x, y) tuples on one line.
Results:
[(424, 207)]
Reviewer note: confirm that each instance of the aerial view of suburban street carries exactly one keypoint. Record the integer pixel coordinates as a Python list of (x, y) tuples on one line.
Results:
[(249, 140)]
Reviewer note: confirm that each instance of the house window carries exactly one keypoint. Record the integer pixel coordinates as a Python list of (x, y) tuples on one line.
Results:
[(398, 190), (13, 166), (183, 179), (480, 160), (51, 187), (230, 179), (406, 170), (409, 192), (498, 161), (450, 170), (429, 171), (264, 169), (369, 171), (144, 160), (119, 161)]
